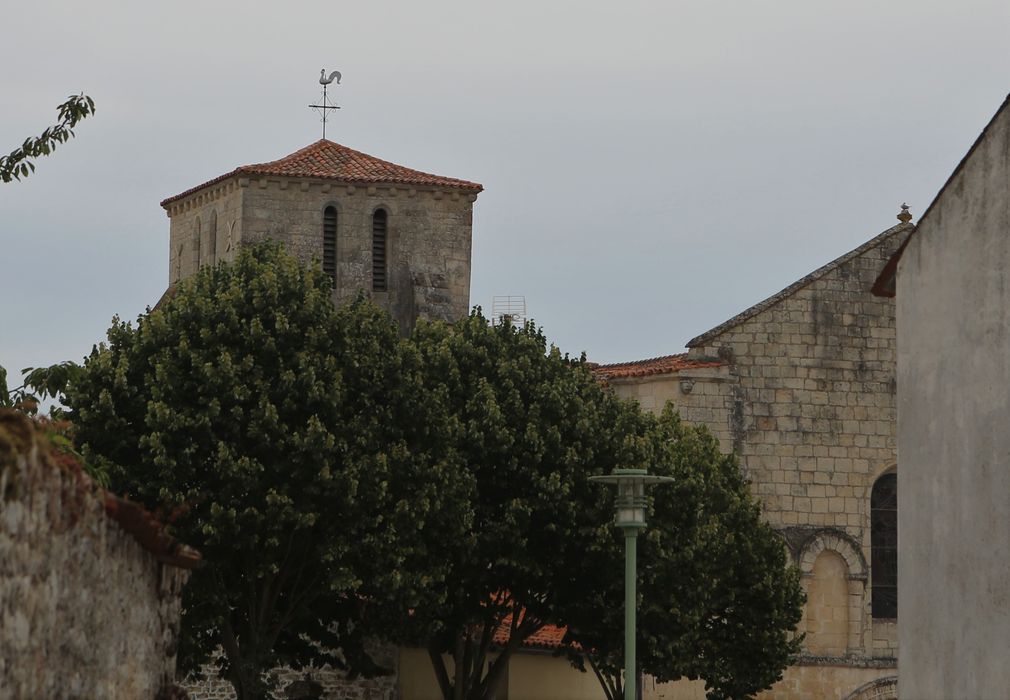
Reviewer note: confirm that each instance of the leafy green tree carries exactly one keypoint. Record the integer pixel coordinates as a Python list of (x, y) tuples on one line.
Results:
[(20, 162), (37, 385), (530, 426), (718, 600), (294, 445)]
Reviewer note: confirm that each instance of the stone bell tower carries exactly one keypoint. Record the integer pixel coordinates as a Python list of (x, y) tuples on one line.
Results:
[(401, 236)]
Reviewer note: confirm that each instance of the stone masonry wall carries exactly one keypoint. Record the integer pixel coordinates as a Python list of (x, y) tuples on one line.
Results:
[(208, 222), (814, 411), (428, 240), (806, 398), (334, 682), (428, 237), (85, 611)]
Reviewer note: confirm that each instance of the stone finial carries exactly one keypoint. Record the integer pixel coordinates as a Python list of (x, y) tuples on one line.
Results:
[(905, 216)]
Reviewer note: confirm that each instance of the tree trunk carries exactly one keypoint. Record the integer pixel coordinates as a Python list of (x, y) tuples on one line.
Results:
[(245, 678)]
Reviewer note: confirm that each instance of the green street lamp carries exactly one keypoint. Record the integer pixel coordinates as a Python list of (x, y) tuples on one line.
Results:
[(630, 504)]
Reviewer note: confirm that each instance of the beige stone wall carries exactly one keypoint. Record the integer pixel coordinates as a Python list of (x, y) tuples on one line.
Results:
[(429, 236), (807, 400), (702, 396), (531, 676), (540, 676), (826, 619), (825, 682), (205, 228), (85, 611), (813, 415)]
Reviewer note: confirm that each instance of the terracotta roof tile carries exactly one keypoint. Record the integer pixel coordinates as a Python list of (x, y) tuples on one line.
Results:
[(655, 365), (331, 161), (547, 637)]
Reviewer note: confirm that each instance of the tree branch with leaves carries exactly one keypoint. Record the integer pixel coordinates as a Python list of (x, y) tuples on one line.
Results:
[(19, 163)]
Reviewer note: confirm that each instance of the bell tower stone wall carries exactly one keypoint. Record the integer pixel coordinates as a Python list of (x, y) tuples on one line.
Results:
[(428, 236)]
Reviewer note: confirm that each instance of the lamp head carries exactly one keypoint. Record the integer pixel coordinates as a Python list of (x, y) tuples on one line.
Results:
[(631, 500)]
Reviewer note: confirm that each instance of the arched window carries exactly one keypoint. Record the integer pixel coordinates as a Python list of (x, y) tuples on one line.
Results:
[(196, 247), (212, 240), (884, 546), (330, 244), (379, 250)]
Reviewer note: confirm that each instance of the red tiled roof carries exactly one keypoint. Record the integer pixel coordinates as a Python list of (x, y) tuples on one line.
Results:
[(331, 161), (655, 365), (547, 637)]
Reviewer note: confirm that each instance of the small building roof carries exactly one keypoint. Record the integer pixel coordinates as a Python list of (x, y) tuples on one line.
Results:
[(656, 365), (547, 637), (327, 160)]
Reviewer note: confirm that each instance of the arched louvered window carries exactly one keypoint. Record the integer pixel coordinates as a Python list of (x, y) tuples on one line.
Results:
[(330, 243), (212, 240), (379, 250), (884, 546), (196, 247)]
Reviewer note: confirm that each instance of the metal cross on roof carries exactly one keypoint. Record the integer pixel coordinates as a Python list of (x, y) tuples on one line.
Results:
[(326, 106)]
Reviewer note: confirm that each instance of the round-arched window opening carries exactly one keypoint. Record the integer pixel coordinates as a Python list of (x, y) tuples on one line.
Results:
[(884, 546)]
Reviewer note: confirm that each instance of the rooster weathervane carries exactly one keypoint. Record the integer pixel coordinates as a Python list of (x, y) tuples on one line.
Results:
[(325, 106)]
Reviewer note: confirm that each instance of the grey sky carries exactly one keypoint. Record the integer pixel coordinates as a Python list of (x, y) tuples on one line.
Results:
[(651, 168)]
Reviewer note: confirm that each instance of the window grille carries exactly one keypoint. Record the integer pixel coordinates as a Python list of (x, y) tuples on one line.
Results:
[(330, 244), (379, 251), (884, 546)]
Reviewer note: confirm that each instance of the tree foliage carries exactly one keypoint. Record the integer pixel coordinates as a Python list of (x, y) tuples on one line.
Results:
[(718, 600), (293, 444), (38, 385), (19, 163), (530, 426), (344, 482)]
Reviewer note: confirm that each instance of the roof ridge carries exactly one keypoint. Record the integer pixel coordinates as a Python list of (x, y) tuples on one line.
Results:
[(799, 284), (609, 365), (664, 364)]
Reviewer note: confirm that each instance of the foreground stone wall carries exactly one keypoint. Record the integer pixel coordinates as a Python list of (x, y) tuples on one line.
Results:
[(334, 683), (85, 610), (953, 300)]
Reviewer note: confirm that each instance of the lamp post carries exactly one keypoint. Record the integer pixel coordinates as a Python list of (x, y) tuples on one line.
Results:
[(630, 504)]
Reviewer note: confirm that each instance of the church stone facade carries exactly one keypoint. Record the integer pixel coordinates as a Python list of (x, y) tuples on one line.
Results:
[(400, 236), (802, 387)]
